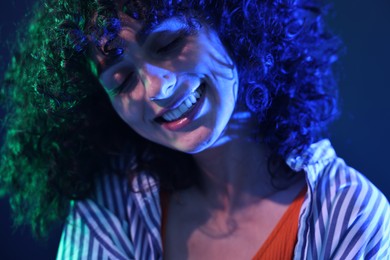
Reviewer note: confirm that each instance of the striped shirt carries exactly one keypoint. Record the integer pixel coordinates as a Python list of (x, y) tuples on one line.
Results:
[(343, 215)]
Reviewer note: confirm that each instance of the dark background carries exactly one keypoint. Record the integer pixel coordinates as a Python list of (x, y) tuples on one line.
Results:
[(360, 136)]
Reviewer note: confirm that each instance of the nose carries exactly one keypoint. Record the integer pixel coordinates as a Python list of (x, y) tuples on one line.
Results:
[(159, 82)]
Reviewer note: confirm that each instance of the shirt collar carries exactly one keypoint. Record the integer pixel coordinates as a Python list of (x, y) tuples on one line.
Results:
[(317, 153)]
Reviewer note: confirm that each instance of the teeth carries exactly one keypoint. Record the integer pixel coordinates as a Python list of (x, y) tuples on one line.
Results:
[(170, 116), (184, 106), (176, 113), (188, 102), (192, 99)]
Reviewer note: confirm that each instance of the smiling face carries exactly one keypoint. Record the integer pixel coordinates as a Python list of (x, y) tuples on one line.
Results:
[(177, 87)]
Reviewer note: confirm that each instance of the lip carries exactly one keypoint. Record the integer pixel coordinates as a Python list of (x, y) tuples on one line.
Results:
[(188, 116)]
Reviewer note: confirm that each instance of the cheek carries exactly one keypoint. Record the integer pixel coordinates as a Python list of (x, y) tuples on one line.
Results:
[(214, 52), (129, 109)]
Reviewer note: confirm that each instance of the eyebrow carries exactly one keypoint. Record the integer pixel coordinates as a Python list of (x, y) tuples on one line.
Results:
[(146, 30), (141, 36), (107, 63)]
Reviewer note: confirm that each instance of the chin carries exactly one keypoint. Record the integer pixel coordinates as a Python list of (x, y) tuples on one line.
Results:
[(191, 149), (203, 145)]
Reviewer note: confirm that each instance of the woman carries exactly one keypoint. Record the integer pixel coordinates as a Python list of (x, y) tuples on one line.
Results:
[(184, 129)]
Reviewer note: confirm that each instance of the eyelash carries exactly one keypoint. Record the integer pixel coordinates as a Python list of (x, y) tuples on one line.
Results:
[(173, 45), (164, 50), (127, 83), (170, 48)]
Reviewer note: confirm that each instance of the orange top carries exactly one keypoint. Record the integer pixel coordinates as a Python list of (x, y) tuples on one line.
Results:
[(280, 243)]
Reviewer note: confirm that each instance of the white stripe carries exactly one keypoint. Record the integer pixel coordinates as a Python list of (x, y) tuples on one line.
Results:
[(107, 234), (379, 236), (62, 248), (312, 176), (95, 249), (344, 206), (145, 229)]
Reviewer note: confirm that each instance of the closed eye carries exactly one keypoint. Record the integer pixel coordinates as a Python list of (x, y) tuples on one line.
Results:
[(128, 83), (172, 47)]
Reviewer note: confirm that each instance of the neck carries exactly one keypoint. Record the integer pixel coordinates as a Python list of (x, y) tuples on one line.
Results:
[(234, 172)]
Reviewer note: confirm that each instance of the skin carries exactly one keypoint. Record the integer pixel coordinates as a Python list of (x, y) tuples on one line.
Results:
[(235, 207), (161, 81)]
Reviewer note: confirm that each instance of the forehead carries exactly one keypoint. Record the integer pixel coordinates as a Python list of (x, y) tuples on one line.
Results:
[(142, 30), (135, 32), (172, 23)]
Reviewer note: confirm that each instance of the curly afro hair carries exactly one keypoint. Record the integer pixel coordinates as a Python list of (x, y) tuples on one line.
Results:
[(60, 130)]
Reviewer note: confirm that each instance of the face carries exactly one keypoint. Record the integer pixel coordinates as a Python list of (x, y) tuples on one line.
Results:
[(176, 87)]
